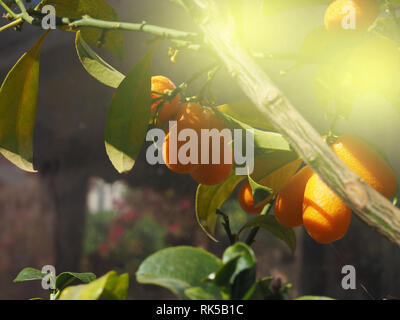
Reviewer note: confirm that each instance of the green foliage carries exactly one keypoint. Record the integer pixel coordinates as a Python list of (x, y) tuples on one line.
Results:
[(269, 223), (29, 274), (129, 115), (112, 40), (237, 274), (260, 192), (183, 270), (96, 229), (18, 102), (264, 141), (269, 289), (247, 113), (66, 278), (179, 269), (111, 286), (211, 198), (95, 65)]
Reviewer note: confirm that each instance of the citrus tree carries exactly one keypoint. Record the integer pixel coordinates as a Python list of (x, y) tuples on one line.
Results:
[(357, 52)]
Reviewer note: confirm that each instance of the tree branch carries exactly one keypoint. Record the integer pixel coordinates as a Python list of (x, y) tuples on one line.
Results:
[(368, 204), (9, 11)]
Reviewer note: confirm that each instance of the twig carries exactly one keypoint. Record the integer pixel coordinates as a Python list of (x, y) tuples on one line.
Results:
[(9, 11), (227, 226), (24, 14), (392, 12), (11, 24), (253, 233)]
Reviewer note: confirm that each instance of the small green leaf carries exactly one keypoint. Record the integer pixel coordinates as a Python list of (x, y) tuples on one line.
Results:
[(128, 116), (246, 256), (274, 171), (107, 287), (95, 65), (18, 102), (65, 278), (120, 288), (179, 269), (111, 40), (313, 298), (211, 198), (263, 140), (29, 274), (222, 277), (269, 223), (260, 192), (244, 281), (248, 113), (260, 290)]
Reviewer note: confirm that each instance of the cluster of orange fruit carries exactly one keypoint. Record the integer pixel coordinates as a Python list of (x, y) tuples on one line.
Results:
[(191, 116), (364, 13), (307, 200)]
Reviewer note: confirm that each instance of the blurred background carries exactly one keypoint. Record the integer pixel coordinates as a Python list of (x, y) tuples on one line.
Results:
[(78, 214)]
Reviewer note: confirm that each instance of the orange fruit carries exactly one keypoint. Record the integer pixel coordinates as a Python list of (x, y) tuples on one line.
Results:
[(289, 202), (189, 116), (177, 166), (365, 12), (246, 199), (217, 171), (325, 216), (364, 161), (194, 116), (162, 84)]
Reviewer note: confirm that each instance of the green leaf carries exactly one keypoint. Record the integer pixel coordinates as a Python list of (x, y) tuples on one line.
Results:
[(111, 286), (267, 163), (271, 7), (260, 290), (263, 140), (237, 274), (95, 65), (248, 113), (128, 116), (121, 286), (269, 223), (65, 278), (313, 298), (260, 192), (246, 256), (18, 102), (198, 293), (244, 281), (222, 277), (179, 269), (111, 40), (274, 170), (211, 198), (29, 274)]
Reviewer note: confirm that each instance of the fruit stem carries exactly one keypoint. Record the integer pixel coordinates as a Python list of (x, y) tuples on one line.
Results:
[(11, 24), (9, 11), (227, 226), (253, 233)]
